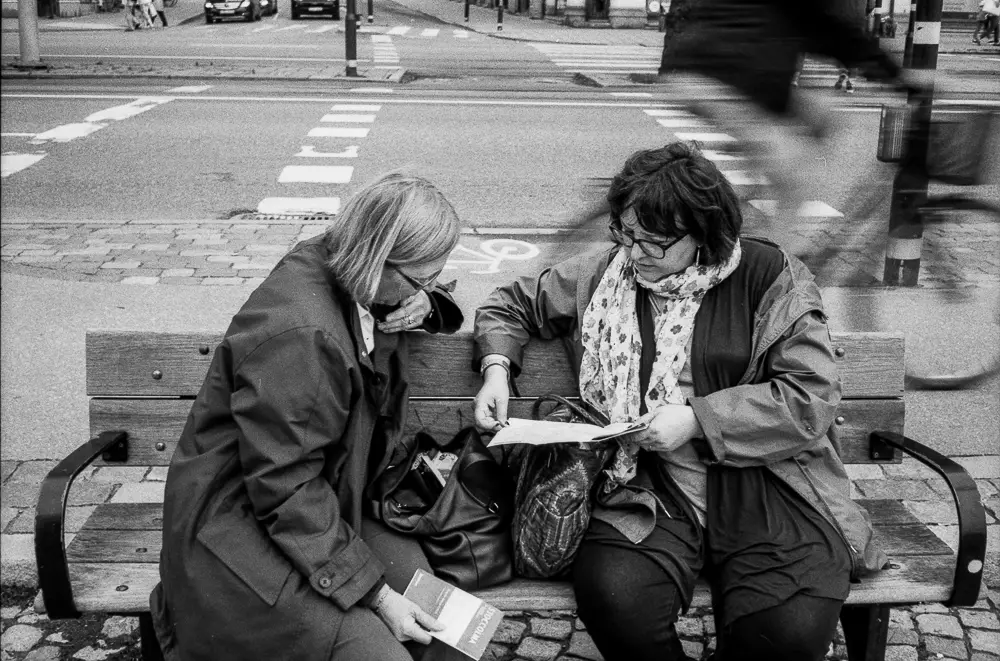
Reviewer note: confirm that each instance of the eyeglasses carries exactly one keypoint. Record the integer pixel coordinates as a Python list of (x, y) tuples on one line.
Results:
[(413, 282), (651, 248)]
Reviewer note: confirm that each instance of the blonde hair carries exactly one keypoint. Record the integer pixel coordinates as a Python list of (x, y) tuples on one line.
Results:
[(396, 219)]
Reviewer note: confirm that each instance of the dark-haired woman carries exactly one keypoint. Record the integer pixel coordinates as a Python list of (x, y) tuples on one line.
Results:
[(720, 343)]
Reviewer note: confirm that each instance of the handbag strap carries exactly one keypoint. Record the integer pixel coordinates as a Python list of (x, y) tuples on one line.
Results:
[(575, 408)]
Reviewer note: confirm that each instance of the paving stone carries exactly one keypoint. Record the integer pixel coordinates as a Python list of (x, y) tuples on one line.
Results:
[(582, 645), (536, 649), (140, 492), (90, 493), (689, 626), (117, 474), (985, 641), (941, 625), (981, 467), (949, 647), (18, 566), (57, 637), (979, 619), (905, 489), (93, 654), (7, 514), (578, 624), (157, 474), (909, 469), (7, 468), (902, 636), (46, 653), (509, 631), (495, 652), (900, 618), (9, 612), (20, 638), (549, 628), (900, 653), (929, 608), (933, 511), (692, 649), (117, 626), (864, 471), (709, 623), (983, 656), (31, 617)]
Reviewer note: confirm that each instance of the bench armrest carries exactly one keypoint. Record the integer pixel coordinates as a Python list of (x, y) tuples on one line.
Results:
[(971, 515), (50, 551)]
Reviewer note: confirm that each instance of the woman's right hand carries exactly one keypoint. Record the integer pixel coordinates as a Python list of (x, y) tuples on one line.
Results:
[(491, 401), (406, 620)]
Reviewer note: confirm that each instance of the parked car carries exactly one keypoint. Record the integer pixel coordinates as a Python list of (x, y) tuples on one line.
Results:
[(302, 8), (247, 10), (269, 7)]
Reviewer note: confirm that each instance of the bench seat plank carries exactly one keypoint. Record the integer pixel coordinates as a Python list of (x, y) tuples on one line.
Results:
[(150, 422), (122, 363), (125, 588)]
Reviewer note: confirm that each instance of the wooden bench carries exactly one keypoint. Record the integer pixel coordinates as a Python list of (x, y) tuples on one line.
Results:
[(141, 386)]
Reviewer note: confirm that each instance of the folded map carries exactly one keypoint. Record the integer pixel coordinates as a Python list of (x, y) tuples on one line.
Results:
[(544, 432), (469, 621)]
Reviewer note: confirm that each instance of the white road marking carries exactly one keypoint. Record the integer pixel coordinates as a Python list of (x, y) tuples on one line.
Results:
[(810, 209), (349, 119), (632, 95), (460, 34), (291, 27), (11, 163), (299, 205), (666, 112), (355, 107), (18, 135), (316, 174), (430, 32), (681, 123), (188, 89), (400, 30), (132, 109), (721, 156), (337, 132), (372, 90), (67, 132), (308, 151), (265, 27), (745, 178), (706, 137), (381, 39), (325, 28)]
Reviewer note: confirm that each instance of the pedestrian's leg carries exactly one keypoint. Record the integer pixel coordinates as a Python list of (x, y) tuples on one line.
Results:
[(163, 17), (995, 21), (841, 77)]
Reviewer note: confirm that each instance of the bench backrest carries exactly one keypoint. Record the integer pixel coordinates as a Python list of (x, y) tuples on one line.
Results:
[(144, 383)]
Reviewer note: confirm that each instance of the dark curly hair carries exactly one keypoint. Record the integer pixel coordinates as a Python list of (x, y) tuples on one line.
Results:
[(675, 187)]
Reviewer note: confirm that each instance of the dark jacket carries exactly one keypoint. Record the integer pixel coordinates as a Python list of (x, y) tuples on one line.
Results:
[(779, 412), (265, 492)]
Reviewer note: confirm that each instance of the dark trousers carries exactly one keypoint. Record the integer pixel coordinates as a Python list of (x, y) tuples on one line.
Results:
[(630, 601), (363, 636), (163, 18)]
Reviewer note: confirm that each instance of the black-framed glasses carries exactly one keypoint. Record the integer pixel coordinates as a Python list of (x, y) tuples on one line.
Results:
[(413, 282), (651, 248)]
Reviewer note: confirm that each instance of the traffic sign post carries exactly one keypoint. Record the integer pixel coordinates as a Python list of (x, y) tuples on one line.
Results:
[(351, 39), (27, 27), (909, 188), (371, 11)]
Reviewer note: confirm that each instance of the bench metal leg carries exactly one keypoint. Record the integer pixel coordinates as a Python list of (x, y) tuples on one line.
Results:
[(150, 645), (866, 630)]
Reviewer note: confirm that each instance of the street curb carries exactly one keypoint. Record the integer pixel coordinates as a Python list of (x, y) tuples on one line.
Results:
[(396, 76)]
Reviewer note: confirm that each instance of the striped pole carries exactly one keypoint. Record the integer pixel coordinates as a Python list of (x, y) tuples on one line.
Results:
[(499, 15), (371, 11), (351, 38), (466, 11), (909, 189)]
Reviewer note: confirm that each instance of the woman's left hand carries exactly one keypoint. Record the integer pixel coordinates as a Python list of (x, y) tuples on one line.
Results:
[(669, 427), (409, 315)]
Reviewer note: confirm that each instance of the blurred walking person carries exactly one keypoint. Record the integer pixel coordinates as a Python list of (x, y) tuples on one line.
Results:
[(981, 23), (992, 9), (158, 8)]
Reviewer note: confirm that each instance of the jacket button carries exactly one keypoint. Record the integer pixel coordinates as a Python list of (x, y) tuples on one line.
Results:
[(325, 582)]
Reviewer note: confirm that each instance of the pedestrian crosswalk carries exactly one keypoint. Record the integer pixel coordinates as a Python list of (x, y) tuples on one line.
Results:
[(594, 58), (311, 28)]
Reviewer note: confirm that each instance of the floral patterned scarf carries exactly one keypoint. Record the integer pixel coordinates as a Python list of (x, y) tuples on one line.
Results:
[(612, 343)]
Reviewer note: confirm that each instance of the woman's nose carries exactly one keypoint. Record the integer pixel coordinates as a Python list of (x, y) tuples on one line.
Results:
[(636, 253)]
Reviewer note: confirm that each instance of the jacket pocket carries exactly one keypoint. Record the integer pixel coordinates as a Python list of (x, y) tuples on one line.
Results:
[(239, 543)]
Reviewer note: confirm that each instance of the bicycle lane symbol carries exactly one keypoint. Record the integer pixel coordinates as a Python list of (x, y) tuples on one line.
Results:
[(490, 255)]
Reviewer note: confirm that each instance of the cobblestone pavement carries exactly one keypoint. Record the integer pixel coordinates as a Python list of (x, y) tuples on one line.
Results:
[(928, 631)]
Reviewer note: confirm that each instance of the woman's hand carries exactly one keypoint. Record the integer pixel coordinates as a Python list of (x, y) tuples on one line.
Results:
[(669, 427), (491, 400), (409, 315), (405, 619)]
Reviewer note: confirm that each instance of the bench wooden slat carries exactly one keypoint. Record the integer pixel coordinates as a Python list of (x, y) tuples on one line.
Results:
[(97, 587), (160, 421), (121, 363), (136, 539)]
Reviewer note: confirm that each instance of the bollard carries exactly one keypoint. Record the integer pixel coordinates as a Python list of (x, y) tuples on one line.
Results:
[(27, 28), (499, 15), (371, 11), (466, 11), (909, 188), (351, 40)]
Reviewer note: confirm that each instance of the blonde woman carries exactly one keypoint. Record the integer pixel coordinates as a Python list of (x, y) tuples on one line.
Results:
[(269, 551)]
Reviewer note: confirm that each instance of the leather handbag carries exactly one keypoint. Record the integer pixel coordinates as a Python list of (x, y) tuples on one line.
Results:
[(464, 528), (553, 497)]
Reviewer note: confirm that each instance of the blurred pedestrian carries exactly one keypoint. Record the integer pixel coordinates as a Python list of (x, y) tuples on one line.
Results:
[(981, 22), (158, 8), (992, 9), (844, 81)]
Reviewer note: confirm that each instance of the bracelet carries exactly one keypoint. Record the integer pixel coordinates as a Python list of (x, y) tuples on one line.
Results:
[(486, 364), (383, 593)]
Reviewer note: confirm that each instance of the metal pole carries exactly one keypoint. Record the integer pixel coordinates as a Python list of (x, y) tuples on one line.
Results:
[(909, 188), (27, 29), (351, 35), (499, 15), (466, 11), (371, 11)]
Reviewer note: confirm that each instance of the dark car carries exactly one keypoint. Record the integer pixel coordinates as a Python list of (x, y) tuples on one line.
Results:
[(247, 10), (302, 8)]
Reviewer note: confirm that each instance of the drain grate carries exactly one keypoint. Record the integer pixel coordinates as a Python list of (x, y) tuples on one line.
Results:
[(283, 217)]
